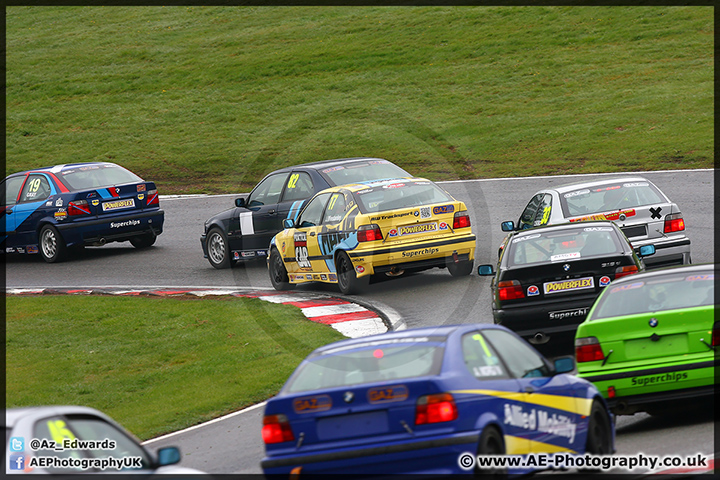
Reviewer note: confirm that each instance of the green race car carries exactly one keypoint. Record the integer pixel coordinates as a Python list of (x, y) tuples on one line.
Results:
[(651, 339)]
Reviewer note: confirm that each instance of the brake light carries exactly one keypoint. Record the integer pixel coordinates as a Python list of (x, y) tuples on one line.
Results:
[(369, 233), (461, 220), (78, 207), (588, 349), (674, 223), (153, 198), (625, 271), (436, 408), (715, 335), (510, 290), (276, 429)]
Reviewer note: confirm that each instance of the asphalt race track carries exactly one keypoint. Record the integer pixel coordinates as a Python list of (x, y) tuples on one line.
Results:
[(433, 297)]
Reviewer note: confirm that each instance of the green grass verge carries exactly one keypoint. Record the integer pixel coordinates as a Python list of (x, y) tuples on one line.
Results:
[(208, 99), (154, 364)]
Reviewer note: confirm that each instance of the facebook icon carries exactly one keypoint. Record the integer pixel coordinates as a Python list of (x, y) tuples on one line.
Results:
[(17, 462)]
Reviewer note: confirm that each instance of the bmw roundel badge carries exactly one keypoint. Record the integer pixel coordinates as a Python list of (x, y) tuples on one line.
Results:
[(622, 217), (348, 397), (653, 322), (566, 267)]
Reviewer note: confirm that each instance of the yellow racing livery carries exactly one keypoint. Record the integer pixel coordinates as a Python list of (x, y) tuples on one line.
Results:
[(348, 233)]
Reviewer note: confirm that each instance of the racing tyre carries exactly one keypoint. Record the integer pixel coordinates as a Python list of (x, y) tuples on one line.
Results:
[(491, 443), (348, 282), (599, 437), (460, 269), (217, 249), (52, 246), (143, 241), (278, 273)]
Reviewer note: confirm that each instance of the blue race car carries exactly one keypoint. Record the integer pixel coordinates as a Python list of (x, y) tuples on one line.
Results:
[(53, 209), (416, 401)]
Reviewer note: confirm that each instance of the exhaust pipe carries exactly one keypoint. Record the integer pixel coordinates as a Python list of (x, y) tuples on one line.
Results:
[(539, 338), (100, 242)]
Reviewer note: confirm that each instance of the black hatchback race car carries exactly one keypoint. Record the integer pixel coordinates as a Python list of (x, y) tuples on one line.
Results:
[(244, 232), (547, 278)]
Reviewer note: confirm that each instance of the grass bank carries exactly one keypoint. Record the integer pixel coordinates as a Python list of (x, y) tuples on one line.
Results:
[(154, 364), (208, 99)]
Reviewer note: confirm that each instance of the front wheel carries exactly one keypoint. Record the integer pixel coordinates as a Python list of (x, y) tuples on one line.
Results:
[(461, 268), (143, 241), (599, 437), (278, 273), (217, 249), (348, 282), (52, 245)]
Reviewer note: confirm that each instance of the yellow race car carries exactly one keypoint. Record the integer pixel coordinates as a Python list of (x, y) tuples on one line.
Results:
[(348, 233)]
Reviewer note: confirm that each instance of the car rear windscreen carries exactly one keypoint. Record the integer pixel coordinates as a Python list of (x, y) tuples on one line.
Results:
[(368, 364), (606, 198), (402, 194), (563, 245), (88, 177), (665, 292), (358, 172)]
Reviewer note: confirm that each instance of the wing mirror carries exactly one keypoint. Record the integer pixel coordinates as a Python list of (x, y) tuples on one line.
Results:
[(240, 202), (485, 270), (565, 364), (647, 250), (508, 226), (168, 456), (288, 223)]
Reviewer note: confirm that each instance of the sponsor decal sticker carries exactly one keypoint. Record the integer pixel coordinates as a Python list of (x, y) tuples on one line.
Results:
[(32, 249), (20, 249), (575, 312), (395, 393), (540, 420), (48, 204), (443, 226), (693, 278), (564, 256), (394, 185), (393, 232), (261, 253), (141, 187), (59, 202), (631, 286), (425, 212), (665, 378), (360, 269), (141, 196), (61, 215), (317, 403), (443, 209), (424, 251), (308, 276), (236, 256), (95, 202), (533, 291), (129, 223), (607, 216), (316, 277), (604, 281), (10, 250), (118, 204), (598, 229), (528, 237), (419, 228), (332, 277), (569, 285), (323, 277), (247, 254)]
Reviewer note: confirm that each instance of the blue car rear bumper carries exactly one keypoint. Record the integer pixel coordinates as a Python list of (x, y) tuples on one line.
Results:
[(112, 228)]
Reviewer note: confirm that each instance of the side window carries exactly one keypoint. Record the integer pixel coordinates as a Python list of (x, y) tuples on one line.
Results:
[(527, 219), (56, 429), (312, 213), (299, 187), (335, 210), (481, 359), (521, 359), (37, 188), (92, 428), (10, 189), (268, 191), (542, 217)]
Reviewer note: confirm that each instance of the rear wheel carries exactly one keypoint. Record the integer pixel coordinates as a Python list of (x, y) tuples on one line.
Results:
[(599, 438), (143, 241), (348, 282), (278, 273), (461, 268), (491, 443), (217, 249), (52, 245)]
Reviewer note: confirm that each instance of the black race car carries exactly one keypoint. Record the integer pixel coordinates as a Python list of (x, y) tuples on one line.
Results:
[(547, 278), (244, 232)]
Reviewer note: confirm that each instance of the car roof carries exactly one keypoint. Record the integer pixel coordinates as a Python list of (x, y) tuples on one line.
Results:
[(564, 226), (682, 269), (63, 166), (12, 415), (322, 164), (585, 184)]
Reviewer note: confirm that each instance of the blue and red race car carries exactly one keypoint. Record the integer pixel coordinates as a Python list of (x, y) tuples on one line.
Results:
[(417, 401), (51, 210)]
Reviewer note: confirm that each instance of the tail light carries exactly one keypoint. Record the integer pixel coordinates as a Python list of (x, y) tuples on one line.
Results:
[(436, 408), (78, 207), (276, 429), (625, 271), (510, 290), (674, 223), (152, 197), (369, 233), (588, 349), (715, 335), (461, 220)]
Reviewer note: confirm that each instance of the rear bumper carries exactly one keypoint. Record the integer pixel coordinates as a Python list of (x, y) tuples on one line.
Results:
[(435, 455), (116, 228)]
